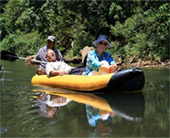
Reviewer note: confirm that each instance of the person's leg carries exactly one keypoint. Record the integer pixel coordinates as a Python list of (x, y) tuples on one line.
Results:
[(77, 71)]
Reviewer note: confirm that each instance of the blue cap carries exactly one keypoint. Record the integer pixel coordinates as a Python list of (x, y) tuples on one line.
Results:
[(102, 38)]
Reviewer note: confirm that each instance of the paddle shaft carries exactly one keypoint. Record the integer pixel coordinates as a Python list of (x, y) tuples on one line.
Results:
[(34, 60), (12, 56)]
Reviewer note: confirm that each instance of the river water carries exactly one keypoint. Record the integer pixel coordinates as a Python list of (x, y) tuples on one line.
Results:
[(137, 114)]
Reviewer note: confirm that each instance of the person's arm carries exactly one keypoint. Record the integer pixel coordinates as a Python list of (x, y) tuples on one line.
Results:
[(56, 73), (112, 68), (29, 59), (51, 71), (104, 68), (94, 62), (113, 65)]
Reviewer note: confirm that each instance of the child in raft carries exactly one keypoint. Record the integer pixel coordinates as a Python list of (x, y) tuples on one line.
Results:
[(55, 68)]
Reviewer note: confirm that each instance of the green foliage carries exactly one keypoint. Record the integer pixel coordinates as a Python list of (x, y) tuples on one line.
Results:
[(7, 42), (136, 27), (80, 40), (22, 44), (13, 10), (144, 33), (162, 19)]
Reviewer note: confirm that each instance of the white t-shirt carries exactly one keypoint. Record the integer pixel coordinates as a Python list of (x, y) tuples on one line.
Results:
[(59, 66)]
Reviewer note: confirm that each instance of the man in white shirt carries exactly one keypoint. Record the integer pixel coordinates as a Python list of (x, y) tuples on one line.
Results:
[(55, 68)]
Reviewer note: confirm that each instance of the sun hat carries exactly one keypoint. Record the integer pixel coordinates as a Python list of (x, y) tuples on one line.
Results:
[(51, 38), (102, 38)]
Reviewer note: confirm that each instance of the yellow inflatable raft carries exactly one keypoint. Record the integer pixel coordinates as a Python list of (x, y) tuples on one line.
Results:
[(125, 80), (74, 82)]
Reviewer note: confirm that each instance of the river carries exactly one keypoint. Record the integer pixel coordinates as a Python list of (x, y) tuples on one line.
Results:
[(137, 114)]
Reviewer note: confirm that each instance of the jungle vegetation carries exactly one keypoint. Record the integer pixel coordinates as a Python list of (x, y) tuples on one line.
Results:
[(137, 28)]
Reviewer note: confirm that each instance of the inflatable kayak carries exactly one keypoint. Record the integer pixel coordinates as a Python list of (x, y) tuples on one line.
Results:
[(125, 80)]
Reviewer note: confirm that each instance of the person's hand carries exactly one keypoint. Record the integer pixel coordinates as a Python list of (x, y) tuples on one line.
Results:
[(104, 68), (29, 60), (61, 73), (56, 73), (112, 68), (41, 71)]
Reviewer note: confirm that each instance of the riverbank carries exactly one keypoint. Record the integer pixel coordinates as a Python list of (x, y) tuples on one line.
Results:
[(145, 63)]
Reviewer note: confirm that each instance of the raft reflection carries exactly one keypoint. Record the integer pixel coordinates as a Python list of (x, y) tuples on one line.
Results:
[(130, 106), (99, 108)]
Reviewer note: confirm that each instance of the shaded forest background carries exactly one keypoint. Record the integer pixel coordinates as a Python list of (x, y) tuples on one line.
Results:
[(136, 29)]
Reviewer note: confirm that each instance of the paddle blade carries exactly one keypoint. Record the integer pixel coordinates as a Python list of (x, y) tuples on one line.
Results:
[(8, 55)]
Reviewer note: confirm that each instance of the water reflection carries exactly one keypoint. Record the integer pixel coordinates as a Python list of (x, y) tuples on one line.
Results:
[(3, 130), (130, 106), (96, 114), (100, 108), (48, 104)]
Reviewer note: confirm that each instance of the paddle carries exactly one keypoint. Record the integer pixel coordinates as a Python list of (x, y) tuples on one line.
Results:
[(12, 56)]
